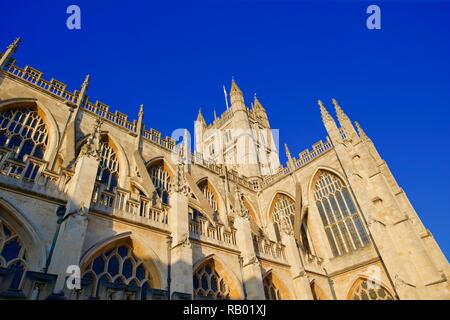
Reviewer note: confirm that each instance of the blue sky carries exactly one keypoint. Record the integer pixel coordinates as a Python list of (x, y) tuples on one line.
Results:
[(174, 57)]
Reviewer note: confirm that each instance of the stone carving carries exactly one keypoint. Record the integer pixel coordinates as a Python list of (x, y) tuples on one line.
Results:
[(240, 210), (91, 147), (181, 184), (185, 242)]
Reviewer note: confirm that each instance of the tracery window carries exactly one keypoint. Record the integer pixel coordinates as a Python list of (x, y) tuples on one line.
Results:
[(271, 292), (340, 217), (108, 168), (161, 180), (12, 254), (369, 291), (283, 212), (23, 131), (117, 274), (209, 194), (208, 284)]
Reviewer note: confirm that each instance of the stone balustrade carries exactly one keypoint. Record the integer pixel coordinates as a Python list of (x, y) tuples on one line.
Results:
[(58, 89), (120, 203), (32, 175), (268, 249), (312, 262), (203, 230)]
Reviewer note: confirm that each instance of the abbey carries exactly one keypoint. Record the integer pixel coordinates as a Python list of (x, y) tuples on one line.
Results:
[(146, 218)]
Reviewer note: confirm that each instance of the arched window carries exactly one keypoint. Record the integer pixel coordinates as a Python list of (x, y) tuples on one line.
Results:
[(23, 131), (339, 214), (116, 274), (365, 290), (271, 292), (304, 234), (283, 211), (209, 194), (12, 254), (108, 167), (161, 180), (208, 284)]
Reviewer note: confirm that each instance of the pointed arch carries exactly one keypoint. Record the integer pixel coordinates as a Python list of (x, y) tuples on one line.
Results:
[(212, 195), (313, 177), (51, 127), (36, 252), (333, 200), (281, 210), (117, 149), (162, 176), (274, 287), (150, 263), (167, 164), (364, 288), (233, 287)]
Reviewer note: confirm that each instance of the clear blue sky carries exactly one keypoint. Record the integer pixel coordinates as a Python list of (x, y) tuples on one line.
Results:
[(175, 56)]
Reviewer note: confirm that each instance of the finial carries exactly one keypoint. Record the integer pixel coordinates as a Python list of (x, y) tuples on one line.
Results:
[(215, 115), (288, 153), (84, 88), (5, 58), (339, 112), (323, 111), (200, 116), (141, 110), (15, 44), (361, 132), (86, 80)]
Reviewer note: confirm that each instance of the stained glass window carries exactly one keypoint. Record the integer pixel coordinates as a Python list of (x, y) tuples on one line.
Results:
[(161, 180), (364, 290), (108, 168), (120, 271), (270, 290), (283, 212), (12, 254), (339, 214), (23, 131), (208, 284)]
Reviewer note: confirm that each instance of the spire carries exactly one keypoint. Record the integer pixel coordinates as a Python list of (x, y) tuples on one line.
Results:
[(344, 120), (326, 117), (288, 153), (186, 146), (329, 124), (236, 96), (290, 163), (215, 115), (234, 87), (200, 116), (12, 48), (256, 104), (83, 90), (361, 132), (14, 45), (339, 112), (140, 118)]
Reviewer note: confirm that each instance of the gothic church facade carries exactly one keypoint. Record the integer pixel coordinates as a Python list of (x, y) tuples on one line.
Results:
[(138, 216)]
